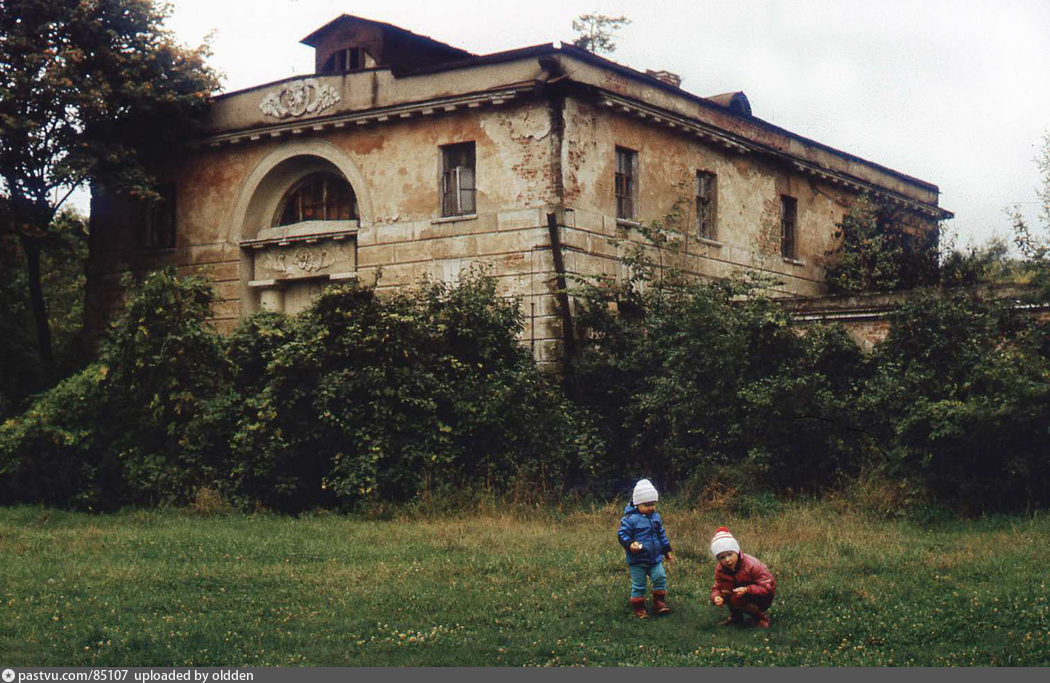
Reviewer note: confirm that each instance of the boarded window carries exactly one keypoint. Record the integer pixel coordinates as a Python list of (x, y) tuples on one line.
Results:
[(788, 226), (457, 179), (706, 198), (626, 163), (318, 197)]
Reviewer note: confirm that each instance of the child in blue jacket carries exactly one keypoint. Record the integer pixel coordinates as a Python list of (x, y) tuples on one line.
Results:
[(643, 538)]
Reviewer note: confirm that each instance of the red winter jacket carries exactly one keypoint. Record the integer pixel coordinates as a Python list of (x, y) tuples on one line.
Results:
[(749, 572)]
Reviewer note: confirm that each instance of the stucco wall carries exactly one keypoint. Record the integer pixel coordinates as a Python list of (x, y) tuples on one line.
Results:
[(227, 194), (748, 200)]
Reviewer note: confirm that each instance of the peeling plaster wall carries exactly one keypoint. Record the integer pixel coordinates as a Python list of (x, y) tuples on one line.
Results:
[(748, 200), (401, 231)]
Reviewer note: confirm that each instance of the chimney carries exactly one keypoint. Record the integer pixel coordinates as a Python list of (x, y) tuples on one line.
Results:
[(665, 76)]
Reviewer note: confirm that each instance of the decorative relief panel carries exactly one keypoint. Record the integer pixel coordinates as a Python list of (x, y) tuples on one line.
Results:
[(298, 98), (305, 260)]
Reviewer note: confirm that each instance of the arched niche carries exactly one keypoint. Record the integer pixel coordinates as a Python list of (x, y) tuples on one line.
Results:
[(285, 262)]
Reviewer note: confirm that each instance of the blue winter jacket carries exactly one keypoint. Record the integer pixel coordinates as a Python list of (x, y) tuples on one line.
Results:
[(647, 530)]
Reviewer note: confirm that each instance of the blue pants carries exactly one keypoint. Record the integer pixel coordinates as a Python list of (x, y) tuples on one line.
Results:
[(638, 573)]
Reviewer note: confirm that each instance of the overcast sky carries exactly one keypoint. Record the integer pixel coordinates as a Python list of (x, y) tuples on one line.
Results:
[(954, 92)]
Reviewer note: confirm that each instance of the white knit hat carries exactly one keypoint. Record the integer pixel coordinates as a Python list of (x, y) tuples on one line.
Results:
[(723, 541), (644, 492)]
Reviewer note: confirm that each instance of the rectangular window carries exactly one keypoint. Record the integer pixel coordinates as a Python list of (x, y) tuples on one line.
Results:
[(626, 166), (457, 179), (788, 226), (706, 198), (160, 220)]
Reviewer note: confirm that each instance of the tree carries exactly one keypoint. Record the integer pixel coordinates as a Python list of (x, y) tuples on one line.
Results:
[(1034, 248), (91, 91), (880, 252), (62, 283), (596, 31)]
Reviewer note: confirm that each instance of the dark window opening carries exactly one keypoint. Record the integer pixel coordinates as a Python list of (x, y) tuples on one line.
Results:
[(788, 226), (626, 160), (706, 198), (160, 220), (318, 197), (349, 59), (458, 189)]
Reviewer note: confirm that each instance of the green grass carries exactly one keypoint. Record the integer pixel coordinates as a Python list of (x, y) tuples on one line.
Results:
[(170, 588)]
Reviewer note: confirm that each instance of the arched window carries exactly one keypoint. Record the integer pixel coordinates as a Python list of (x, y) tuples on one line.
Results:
[(318, 197)]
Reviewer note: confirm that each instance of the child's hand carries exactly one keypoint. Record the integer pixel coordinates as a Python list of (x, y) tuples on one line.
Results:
[(670, 557), (635, 547), (718, 600), (742, 590)]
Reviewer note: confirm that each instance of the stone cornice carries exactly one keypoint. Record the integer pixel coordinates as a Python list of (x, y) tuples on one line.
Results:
[(741, 145), (680, 123), (673, 121), (383, 115)]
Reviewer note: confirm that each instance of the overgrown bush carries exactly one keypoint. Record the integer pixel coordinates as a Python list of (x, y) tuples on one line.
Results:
[(115, 433), (359, 400), (370, 399), (963, 394), (877, 251), (710, 384)]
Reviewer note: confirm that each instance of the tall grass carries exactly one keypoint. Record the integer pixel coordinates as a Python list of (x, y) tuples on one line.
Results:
[(525, 585)]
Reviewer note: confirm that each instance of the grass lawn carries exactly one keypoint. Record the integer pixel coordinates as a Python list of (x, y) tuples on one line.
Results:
[(170, 588)]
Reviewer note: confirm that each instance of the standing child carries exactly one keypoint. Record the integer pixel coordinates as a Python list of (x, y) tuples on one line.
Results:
[(643, 538), (742, 583)]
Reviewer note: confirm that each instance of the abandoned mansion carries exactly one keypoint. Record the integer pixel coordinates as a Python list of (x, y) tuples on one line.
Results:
[(410, 157)]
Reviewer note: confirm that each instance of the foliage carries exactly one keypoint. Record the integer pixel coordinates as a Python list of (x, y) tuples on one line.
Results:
[(89, 91), (372, 399), (990, 263), (1035, 247), (878, 251), (703, 384), (116, 432), (595, 31), (63, 266), (360, 400), (963, 392)]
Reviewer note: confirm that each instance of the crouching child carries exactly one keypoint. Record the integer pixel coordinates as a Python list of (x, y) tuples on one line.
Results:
[(742, 583)]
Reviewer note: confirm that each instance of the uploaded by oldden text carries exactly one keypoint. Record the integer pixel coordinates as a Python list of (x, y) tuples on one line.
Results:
[(187, 674)]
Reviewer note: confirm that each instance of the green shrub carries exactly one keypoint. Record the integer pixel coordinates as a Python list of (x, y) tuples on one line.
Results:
[(116, 433), (692, 381), (966, 400), (372, 399)]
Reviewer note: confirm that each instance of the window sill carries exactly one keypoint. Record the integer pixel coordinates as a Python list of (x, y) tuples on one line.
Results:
[(453, 219), (709, 242), (308, 232), (282, 282), (794, 261), (628, 223)]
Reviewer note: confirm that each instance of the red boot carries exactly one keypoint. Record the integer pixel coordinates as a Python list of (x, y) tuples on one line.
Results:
[(659, 606), (638, 605), (761, 620)]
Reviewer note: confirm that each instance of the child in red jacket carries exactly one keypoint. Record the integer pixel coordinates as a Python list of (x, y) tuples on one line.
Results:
[(742, 583)]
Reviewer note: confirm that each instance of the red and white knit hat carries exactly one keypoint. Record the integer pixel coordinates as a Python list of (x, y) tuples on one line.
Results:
[(644, 492), (723, 541)]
